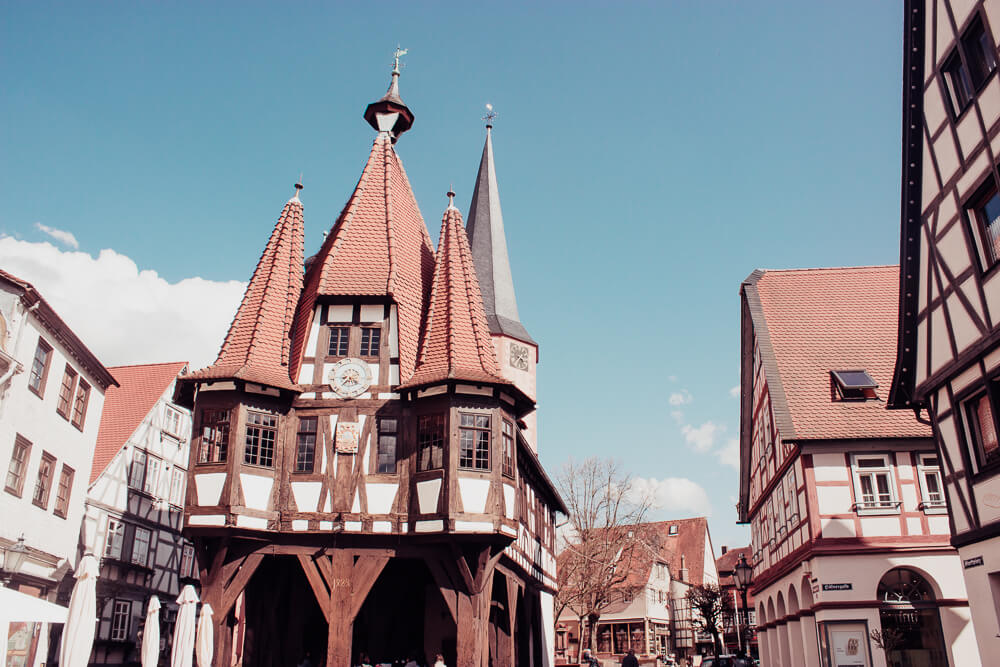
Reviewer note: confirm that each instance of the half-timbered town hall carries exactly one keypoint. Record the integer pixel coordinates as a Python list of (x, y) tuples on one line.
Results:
[(364, 482)]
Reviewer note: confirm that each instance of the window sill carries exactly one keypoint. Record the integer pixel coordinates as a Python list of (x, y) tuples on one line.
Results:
[(933, 508), (40, 393), (877, 510), (210, 463), (12, 491), (78, 427)]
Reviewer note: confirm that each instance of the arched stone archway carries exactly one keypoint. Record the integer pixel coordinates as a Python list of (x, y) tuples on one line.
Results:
[(781, 611), (762, 643), (910, 619), (810, 643), (773, 649), (796, 648)]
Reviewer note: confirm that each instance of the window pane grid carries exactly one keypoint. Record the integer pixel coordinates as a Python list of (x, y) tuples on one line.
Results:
[(474, 442), (430, 442), (39, 365), (370, 340), (80, 403), (18, 465), (44, 482), (120, 620), (214, 436), (261, 434), (63, 491), (305, 456), (339, 337), (140, 546), (66, 391), (508, 448), (386, 459)]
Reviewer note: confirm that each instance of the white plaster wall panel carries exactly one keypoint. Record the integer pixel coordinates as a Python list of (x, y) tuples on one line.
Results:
[(938, 524), (381, 526), (909, 498), (474, 493), (880, 526), (372, 312), (947, 156), (903, 468), (961, 9), (340, 313), (834, 499), (971, 291), (429, 526), (921, 292), (326, 525), (942, 32), (507, 529), (306, 373), (393, 331), (934, 111), (966, 332), (300, 524), (380, 497), (256, 490), (987, 499), (830, 467), (473, 527), (509, 500), (913, 526), (929, 181), (943, 403), (992, 8), (427, 495), (940, 348), (964, 379), (217, 386), (356, 504), (969, 137), (306, 495), (255, 522), (974, 172), (208, 487), (393, 374), (388, 395), (352, 526), (472, 389), (991, 287), (951, 250), (206, 520), (837, 528), (313, 332)]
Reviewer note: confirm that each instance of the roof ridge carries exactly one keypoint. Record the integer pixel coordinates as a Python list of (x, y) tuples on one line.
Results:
[(155, 363), (824, 269)]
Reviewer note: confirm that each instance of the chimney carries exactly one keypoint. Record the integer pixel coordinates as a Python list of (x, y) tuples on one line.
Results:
[(724, 549), (684, 570)]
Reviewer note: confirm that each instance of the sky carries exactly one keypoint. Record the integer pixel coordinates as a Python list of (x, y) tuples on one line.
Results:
[(649, 157)]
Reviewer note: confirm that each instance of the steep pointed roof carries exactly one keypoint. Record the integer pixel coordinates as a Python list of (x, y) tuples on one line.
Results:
[(127, 404), (457, 342), (379, 247), (258, 345), (489, 250)]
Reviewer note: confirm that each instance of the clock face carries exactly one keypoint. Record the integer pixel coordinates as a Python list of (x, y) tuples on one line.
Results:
[(350, 377), (519, 356)]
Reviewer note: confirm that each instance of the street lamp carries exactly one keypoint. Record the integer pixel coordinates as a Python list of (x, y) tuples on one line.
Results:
[(13, 557), (743, 574)]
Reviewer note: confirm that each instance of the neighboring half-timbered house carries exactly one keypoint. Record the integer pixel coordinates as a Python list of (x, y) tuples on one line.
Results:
[(948, 359), (364, 477), (849, 529)]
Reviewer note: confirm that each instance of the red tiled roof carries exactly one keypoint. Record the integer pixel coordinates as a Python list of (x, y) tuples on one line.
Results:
[(820, 320), (727, 561), (378, 247), (126, 406), (258, 345), (457, 343)]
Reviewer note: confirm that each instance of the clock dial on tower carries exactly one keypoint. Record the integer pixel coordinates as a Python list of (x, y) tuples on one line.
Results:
[(350, 377), (519, 356)]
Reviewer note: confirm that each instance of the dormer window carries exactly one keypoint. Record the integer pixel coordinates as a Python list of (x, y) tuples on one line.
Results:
[(672, 530), (855, 385)]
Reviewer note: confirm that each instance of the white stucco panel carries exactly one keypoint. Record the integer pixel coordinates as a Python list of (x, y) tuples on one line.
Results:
[(830, 467), (381, 526), (427, 495), (306, 495), (256, 491), (208, 487), (880, 526), (428, 526), (254, 522), (300, 524), (473, 527), (509, 500), (340, 313), (380, 497), (834, 499), (206, 520), (474, 493), (837, 527)]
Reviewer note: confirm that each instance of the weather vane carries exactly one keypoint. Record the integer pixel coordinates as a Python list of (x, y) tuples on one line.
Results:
[(490, 115), (395, 58)]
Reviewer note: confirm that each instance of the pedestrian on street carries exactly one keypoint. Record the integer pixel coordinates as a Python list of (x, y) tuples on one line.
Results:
[(439, 661), (630, 660)]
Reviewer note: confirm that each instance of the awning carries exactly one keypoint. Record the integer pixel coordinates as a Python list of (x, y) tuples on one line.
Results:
[(19, 607)]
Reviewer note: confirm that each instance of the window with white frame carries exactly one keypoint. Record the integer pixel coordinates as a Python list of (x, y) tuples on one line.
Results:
[(187, 562), (874, 485), (152, 485), (931, 487), (137, 471), (177, 480), (113, 539), (172, 421), (121, 615), (140, 546)]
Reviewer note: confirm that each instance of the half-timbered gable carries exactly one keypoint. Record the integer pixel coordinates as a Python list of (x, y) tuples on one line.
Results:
[(833, 484), (948, 356), (358, 441)]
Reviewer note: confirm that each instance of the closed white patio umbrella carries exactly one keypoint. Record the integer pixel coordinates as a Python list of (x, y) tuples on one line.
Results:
[(183, 647), (204, 644), (151, 634), (81, 622)]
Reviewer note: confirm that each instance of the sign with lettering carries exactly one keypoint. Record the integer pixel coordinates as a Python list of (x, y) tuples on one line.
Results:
[(838, 587), (972, 562)]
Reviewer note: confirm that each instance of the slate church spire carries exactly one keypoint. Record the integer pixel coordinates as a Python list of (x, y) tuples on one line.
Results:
[(489, 247)]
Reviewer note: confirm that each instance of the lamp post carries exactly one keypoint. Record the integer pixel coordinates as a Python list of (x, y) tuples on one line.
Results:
[(13, 557), (743, 574)]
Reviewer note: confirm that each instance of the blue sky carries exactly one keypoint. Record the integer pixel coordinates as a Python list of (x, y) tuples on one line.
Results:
[(650, 156)]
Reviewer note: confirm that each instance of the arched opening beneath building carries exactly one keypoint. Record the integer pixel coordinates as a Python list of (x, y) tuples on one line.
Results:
[(282, 622), (403, 617), (911, 623)]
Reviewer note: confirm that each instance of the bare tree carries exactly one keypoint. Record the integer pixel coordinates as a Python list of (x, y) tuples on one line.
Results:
[(603, 539), (710, 608)]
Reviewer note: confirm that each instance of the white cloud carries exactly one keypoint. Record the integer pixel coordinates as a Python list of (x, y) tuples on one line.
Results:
[(735, 391), (678, 416), (64, 237), (676, 495), (122, 314), (682, 397), (701, 438), (729, 454)]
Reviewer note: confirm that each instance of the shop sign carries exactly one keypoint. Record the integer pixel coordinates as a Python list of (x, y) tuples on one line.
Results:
[(838, 587), (972, 562)]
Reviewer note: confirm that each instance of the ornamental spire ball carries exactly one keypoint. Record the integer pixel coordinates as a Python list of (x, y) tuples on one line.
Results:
[(490, 115), (390, 115)]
